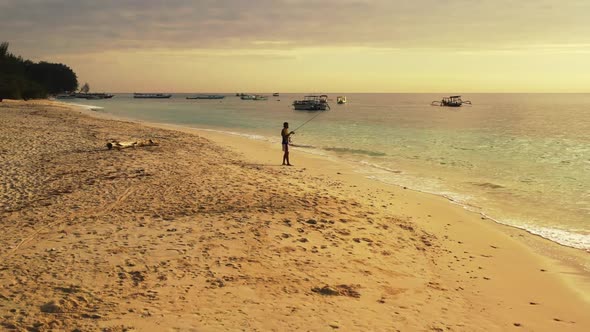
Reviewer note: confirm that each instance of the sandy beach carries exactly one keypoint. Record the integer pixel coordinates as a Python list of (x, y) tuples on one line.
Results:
[(206, 232)]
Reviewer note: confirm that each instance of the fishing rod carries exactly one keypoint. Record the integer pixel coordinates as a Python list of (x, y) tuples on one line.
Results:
[(303, 124), (313, 117)]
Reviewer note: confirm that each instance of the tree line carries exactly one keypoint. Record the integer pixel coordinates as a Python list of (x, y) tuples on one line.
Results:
[(25, 79)]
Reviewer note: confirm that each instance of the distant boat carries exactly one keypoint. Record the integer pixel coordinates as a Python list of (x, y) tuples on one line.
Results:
[(93, 95), (85, 93), (80, 95), (253, 97), (152, 95), (276, 94), (206, 97), (66, 96), (341, 99), (451, 101), (312, 103)]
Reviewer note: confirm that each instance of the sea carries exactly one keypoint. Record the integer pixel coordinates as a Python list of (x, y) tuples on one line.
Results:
[(520, 159)]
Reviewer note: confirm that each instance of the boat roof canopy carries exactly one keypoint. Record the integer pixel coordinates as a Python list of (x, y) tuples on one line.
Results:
[(455, 97)]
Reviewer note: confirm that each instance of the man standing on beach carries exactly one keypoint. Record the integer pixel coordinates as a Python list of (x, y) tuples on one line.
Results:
[(286, 134)]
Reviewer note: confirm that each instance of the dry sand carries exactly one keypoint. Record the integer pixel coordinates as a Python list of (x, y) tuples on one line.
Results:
[(206, 233)]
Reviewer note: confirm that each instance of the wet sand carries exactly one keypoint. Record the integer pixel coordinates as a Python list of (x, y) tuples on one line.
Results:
[(206, 232)]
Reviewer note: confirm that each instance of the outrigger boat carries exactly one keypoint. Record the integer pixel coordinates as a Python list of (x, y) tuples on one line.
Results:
[(84, 96), (93, 95), (84, 93), (451, 101), (341, 99), (152, 95), (312, 103), (65, 96), (206, 97), (253, 97)]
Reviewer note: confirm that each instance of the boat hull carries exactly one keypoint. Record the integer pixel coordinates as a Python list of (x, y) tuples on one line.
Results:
[(253, 97), (65, 97), (156, 96), (312, 103), (89, 96), (205, 97), (310, 107)]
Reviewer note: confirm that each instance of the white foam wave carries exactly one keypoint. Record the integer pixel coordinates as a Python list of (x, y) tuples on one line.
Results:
[(235, 133), (569, 238), (88, 107), (566, 238), (363, 162), (306, 149)]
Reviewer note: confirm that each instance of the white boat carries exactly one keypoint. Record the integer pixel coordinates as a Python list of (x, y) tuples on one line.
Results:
[(253, 97), (247, 97)]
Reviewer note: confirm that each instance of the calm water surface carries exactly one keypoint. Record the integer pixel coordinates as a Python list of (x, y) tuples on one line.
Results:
[(522, 159)]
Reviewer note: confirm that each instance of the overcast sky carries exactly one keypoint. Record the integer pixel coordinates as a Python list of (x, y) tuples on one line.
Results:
[(305, 45)]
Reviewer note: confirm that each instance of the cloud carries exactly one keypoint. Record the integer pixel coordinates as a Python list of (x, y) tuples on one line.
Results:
[(43, 27)]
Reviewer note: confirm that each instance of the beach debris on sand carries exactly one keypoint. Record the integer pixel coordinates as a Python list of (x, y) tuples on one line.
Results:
[(339, 290), (132, 144)]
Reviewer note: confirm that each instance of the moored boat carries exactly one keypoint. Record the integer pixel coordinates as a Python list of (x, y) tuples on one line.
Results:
[(65, 96), (85, 93), (152, 95), (451, 101), (247, 97), (312, 103), (93, 95), (206, 97), (276, 94), (253, 97), (341, 100)]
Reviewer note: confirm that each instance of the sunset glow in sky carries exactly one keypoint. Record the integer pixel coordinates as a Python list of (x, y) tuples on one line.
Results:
[(305, 45)]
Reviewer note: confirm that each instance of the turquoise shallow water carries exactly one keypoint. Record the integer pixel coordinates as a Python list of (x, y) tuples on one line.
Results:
[(522, 159)]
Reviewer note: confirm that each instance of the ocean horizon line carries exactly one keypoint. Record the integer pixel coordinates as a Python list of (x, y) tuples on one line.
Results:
[(365, 93)]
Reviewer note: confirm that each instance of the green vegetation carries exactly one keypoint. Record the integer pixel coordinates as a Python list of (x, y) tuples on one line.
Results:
[(24, 79)]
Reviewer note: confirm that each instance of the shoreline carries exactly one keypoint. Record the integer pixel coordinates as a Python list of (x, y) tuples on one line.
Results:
[(334, 158), (459, 271), (306, 151), (575, 260), (95, 112), (578, 258)]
